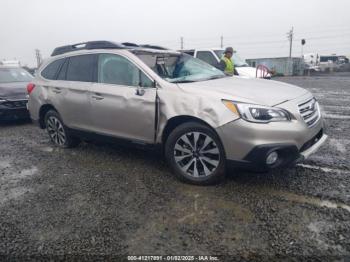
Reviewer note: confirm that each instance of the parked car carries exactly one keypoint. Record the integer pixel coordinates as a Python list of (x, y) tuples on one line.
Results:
[(203, 119), (13, 94), (213, 56)]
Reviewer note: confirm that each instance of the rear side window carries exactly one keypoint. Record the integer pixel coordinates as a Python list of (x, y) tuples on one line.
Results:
[(81, 68), (207, 57), (63, 70), (50, 71)]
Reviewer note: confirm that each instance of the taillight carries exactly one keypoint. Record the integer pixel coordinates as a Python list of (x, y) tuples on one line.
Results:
[(30, 88)]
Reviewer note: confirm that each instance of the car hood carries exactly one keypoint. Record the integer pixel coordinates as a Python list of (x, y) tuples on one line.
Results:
[(15, 90), (260, 91)]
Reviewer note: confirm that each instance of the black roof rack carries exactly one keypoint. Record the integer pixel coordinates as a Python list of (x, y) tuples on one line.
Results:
[(101, 45), (88, 45), (130, 44), (154, 47)]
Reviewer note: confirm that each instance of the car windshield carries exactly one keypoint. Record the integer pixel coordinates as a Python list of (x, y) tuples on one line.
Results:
[(180, 68), (8, 75), (237, 60)]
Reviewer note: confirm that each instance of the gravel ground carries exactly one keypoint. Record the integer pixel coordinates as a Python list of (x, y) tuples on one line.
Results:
[(99, 200)]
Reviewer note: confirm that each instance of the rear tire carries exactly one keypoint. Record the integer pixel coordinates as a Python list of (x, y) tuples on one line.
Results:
[(58, 132), (195, 154)]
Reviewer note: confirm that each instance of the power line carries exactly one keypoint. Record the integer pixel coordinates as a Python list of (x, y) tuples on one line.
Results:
[(213, 40), (325, 37), (304, 34)]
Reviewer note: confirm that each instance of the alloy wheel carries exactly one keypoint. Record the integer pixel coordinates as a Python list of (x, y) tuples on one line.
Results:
[(196, 154), (56, 130)]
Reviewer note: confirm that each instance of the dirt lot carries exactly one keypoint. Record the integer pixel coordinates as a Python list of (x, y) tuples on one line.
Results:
[(102, 200)]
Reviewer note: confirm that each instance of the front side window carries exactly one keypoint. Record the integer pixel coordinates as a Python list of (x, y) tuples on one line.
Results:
[(9, 75), (51, 70), (81, 68), (117, 70), (179, 67), (207, 57)]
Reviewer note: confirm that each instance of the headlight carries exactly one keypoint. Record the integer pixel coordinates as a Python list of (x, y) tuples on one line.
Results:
[(257, 113)]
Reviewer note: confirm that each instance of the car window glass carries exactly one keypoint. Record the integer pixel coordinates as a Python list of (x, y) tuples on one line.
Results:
[(207, 57), (8, 75), (146, 81), (50, 71), (177, 68), (63, 70), (81, 68), (115, 69)]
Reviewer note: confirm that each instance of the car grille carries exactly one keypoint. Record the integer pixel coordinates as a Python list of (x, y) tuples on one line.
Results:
[(312, 141), (310, 112), (15, 103)]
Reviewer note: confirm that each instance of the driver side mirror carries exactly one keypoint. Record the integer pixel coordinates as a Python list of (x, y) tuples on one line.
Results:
[(140, 91)]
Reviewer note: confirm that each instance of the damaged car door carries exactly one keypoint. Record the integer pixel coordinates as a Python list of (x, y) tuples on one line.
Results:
[(123, 100)]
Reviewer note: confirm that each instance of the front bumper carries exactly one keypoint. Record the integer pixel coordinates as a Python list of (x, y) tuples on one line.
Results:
[(14, 109), (14, 114), (248, 144), (287, 154)]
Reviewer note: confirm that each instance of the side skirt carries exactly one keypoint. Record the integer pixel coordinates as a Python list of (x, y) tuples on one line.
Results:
[(91, 136)]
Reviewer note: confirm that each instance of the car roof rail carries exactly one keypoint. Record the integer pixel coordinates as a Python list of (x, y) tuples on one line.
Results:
[(87, 46), (130, 44), (154, 47)]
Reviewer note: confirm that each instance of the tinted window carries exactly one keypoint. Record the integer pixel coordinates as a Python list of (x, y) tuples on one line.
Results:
[(63, 71), (50, 71), (81, 68), (115, 69), (207, 57)]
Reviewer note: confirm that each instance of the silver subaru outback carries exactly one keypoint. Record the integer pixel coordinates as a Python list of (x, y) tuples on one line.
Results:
[(203, 120)]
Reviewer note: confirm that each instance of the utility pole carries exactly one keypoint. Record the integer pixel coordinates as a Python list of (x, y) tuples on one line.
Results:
[(290, 37), (38, 57), (222, 41), (303, 42), (182, 42)]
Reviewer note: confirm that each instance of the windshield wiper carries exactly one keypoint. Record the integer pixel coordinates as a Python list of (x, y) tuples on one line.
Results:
[(215, 77), (183, 81)]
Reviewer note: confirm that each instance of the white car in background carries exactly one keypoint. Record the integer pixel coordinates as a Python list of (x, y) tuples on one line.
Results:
[(212, 56)]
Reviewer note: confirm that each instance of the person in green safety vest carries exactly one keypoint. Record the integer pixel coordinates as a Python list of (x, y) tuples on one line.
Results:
[(226, 64)]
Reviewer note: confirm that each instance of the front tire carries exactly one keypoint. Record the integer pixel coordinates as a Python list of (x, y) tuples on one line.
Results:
[(195, 154), (57, 131)]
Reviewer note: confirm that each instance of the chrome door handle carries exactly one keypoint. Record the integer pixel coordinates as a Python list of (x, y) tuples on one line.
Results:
[(57, 90), (97, 96)]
